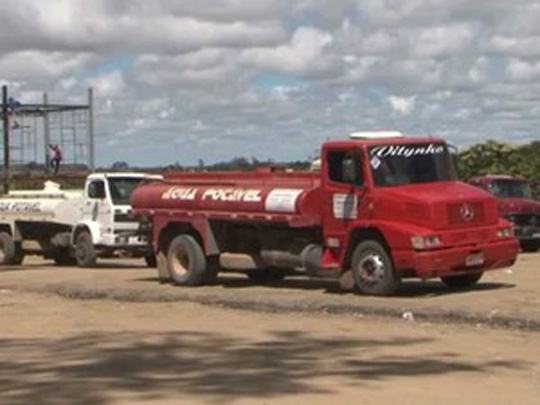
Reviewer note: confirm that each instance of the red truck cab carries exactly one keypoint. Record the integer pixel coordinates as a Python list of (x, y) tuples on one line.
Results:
[(516, 204), (383, 207)]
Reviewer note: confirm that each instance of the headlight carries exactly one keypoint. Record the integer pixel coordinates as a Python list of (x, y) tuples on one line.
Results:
[(420, 242), (506, 232)]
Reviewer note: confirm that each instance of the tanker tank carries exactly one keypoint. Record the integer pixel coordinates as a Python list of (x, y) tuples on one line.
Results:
[(51, 204), (262, 192)]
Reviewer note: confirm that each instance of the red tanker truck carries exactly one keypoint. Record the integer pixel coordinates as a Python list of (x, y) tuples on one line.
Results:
[(381, 208)]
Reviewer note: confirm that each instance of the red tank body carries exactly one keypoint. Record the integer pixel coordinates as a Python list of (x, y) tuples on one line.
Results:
[(263, 194)]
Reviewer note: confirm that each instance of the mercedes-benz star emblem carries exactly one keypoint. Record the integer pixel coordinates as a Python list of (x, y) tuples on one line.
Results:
[(467, 212)]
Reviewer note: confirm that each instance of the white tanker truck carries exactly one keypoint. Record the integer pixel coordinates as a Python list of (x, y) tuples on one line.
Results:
[(73, 226)]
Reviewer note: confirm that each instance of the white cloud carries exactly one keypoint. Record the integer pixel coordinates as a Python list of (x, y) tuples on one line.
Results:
[(38, 65), (523, 71), (402, 105), (305, 55), (111, 84)]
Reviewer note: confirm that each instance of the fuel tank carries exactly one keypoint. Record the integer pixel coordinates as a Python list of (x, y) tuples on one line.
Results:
[(232, 193)]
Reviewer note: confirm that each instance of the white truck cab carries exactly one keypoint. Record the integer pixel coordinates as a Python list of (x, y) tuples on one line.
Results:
[(73, 226)]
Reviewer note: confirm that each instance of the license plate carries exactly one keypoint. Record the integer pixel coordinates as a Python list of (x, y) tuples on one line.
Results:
[(536, 235), (474, 259)]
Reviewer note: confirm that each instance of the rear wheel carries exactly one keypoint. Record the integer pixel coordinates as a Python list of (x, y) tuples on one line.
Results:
[(463, 280), (373, 270), (10, 251), (150, 260), (213, 266), (85, 253), (186, 261), (63, 257)]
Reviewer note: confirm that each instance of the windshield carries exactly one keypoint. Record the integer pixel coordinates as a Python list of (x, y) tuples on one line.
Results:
[(394, 165), (510, 189), (121, 188)]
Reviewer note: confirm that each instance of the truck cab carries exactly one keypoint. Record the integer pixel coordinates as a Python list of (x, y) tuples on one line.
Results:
[(105, 225), (73, 226), (403, 194), (515, 203)]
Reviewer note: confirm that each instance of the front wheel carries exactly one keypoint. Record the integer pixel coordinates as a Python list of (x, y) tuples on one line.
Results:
[(463, 280), (373, 270), (530, 245), (85, 253)]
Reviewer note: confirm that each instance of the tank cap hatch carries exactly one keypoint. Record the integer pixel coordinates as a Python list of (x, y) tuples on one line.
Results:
[(376, 135)]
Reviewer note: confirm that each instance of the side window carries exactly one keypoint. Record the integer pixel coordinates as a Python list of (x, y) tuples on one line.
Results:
[(96, 189), (345, 167)]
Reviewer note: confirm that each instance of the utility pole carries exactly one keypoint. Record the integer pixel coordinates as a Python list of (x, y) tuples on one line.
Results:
[(5, 117), (46, 131), (90, 136)]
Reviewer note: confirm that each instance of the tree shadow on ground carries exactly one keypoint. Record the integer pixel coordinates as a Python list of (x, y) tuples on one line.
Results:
[(93, 369)]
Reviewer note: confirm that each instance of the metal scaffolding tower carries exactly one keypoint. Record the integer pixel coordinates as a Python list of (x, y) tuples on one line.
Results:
[(29, 129)]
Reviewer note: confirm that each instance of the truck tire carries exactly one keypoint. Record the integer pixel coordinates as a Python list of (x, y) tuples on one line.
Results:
[(213, 266), (63, 257), (373, 270), (266, 275), (529, 246), (85, 253), (150, 260), (186, 261), (10, 251), (463, 280)]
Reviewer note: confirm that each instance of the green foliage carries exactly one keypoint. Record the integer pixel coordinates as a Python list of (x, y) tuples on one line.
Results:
[(495, 157)]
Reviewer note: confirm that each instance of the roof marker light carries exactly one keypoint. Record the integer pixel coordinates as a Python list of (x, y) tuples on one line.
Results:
[(376, 135)]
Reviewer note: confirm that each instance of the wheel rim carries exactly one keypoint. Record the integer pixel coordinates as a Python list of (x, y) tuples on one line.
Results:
[(2, 252), (180, 262), (371, 269)]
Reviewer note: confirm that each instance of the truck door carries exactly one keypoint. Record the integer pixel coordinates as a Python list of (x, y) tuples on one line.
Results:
[(344, 186), (97, 206)]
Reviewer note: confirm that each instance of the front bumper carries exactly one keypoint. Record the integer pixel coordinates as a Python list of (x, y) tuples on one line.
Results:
[(453, 261), (123, 240)]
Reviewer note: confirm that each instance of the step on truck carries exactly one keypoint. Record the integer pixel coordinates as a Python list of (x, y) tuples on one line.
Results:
[(516, 203), (382, 207), (73, 226)]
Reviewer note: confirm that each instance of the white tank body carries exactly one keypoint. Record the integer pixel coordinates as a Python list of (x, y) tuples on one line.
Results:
[(48, 205)]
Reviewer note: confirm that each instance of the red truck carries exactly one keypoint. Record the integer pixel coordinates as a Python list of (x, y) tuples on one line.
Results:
[(383, 207), (515, 203)]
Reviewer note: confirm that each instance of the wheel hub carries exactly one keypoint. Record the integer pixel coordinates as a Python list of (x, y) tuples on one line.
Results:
[(180, 263), (371, 268)]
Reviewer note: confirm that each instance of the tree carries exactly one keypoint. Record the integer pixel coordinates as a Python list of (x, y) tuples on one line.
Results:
[(120, 165)]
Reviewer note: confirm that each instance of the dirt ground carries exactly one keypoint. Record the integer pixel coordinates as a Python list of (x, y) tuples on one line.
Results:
[(116, 336)]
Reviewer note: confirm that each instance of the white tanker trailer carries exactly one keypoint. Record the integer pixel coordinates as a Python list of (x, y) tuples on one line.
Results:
[(73, 226)]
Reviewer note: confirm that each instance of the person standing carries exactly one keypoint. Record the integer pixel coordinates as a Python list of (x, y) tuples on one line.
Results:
[(56, 157)]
